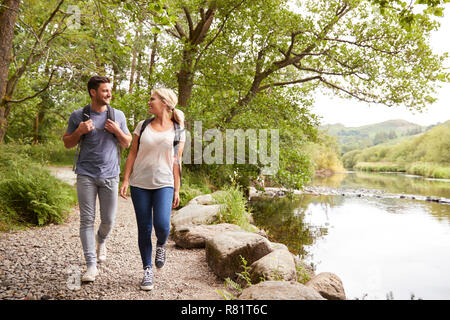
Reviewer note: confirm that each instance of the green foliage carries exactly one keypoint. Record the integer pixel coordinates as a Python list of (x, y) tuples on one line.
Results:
[(427, 154), (325, 154), (193, 184), (234, 288), (355, 138), (29, 194), (234, 208)]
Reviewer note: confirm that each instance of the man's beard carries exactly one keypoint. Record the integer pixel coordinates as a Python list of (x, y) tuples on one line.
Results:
[(102, 102)]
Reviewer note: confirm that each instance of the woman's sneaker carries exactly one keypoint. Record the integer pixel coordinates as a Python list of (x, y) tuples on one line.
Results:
[(147, 281), (160, 257)]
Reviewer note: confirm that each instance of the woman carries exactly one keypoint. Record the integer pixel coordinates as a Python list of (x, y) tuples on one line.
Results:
[(153, 173)]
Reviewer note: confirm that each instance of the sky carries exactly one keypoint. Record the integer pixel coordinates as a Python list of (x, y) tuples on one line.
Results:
[(352, 113)]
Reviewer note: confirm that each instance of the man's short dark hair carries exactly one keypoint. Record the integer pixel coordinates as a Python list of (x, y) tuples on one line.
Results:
[(94, 82)]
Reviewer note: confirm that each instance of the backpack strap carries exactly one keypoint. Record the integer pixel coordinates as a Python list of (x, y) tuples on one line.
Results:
[(176, 142), (144, 126), (85, 115)]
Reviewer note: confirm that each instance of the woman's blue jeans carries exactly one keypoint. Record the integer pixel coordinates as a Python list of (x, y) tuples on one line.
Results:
[(152, 208)]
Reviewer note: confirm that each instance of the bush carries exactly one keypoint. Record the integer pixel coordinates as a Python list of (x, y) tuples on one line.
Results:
[(234, 210), (29, 194)]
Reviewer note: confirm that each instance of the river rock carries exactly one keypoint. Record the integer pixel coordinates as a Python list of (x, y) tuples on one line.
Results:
[(194, 236), (328, 285), (223, 251), (277, 265), (279, 290), (196, 214)]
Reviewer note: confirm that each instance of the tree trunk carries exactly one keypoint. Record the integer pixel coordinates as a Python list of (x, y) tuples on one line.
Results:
[(8, 16), (186, 77), (152, 62), (133, 62)]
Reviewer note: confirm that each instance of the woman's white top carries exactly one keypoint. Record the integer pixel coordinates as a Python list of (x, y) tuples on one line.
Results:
[(153, 167)]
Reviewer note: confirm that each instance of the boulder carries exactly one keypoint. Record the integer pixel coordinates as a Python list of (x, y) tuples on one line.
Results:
[(279, 290), (204, 199), (223, 251), (277, 265), (194, 236), (328, 285), (195, 214)]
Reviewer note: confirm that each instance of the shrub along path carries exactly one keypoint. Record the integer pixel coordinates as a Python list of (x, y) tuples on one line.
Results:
[(47, 263)]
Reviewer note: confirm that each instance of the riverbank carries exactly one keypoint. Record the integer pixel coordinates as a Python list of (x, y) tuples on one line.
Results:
[(424, 169), (346, 192)]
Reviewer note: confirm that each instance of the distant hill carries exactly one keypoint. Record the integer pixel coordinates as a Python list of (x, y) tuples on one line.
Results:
[(426, 154), (355, 138)]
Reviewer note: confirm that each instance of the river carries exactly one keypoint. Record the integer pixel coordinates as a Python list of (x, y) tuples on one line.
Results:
[(380, 245)]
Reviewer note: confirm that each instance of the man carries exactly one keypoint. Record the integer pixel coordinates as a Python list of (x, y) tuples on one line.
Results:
[(97, 168)]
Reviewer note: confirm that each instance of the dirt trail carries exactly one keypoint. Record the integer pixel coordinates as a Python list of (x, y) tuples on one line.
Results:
[(46, 263)]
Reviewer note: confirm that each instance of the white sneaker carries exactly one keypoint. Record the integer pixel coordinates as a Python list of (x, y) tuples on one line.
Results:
[(101, 251), (90, 274)]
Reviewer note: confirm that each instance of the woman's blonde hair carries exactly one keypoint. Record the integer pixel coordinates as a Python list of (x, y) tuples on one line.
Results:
[(170, 99)]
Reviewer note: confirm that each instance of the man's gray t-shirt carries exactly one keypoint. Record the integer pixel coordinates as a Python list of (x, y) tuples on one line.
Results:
[(98, 155)]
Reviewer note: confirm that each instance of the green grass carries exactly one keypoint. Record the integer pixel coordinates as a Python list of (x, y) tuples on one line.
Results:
[(234, 210), (431, 170), (379, 167)]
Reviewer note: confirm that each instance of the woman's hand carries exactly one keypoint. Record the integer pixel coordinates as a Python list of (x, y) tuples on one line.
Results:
[(123, 189), (176, 199)]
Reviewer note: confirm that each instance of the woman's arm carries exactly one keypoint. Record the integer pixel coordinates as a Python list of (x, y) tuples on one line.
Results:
[(129, 167), (176, 180)]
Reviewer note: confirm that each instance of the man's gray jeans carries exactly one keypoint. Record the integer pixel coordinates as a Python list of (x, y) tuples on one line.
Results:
[(107, 190)]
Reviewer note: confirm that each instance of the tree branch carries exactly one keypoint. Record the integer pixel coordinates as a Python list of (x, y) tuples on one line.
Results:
[(37, 93), (280, 84)]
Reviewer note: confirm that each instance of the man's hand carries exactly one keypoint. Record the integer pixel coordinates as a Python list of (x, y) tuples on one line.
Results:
[(112, 126), (86, 127)]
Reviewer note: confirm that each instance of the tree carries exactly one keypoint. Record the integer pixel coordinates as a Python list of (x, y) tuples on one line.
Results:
[(8, 16)]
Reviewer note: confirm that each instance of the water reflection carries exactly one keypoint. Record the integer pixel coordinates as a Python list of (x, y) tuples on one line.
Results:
[(378, 246)]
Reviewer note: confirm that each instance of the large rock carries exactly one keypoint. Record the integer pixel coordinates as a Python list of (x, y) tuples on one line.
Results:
[(196, 214), (204, 199), (328, 285), (194, 236), (279, 290), (223, 251), (277, 265)]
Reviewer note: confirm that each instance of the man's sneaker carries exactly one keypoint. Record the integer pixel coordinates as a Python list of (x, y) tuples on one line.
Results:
[(160, 257), (101, 250), (90, 274), (147, 281)]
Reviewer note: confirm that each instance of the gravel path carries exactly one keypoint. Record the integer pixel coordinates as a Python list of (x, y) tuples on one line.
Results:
[(47, 263)]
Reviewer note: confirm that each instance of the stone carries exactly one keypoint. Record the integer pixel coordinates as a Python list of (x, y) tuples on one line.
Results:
[(204, 199), (224, 251), (194, 236), (196, 214), (328, 285), (277, 265), (279, 290)]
